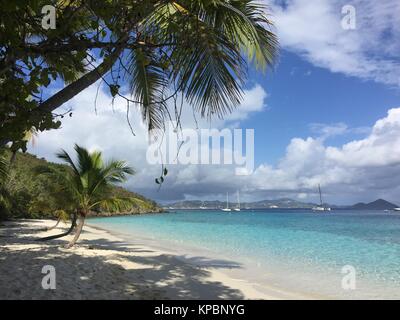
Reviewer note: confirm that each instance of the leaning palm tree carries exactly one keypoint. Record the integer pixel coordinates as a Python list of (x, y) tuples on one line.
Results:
[(89, 183), (62, 216), (199, 49)]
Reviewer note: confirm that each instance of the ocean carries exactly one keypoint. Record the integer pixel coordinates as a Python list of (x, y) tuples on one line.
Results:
[(341, 254)]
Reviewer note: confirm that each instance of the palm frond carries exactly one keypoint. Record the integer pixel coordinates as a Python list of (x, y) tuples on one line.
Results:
[(247, 24), (114, 171), (147, 84), (89, 182), (85, 161), (207, 63), (115, 204), (63, 155)]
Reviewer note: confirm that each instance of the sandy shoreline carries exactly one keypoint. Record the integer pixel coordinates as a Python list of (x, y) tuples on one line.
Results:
[(105, 266)]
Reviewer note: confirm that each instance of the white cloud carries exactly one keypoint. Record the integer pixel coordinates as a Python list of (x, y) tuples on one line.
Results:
[(254, 102), (367, 167), (380, 148), (325, 131), (362, 169), (313, 29), (109, 132)]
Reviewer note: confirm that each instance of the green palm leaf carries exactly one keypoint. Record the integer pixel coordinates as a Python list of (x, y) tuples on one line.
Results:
[(147, 83), (205, 59)]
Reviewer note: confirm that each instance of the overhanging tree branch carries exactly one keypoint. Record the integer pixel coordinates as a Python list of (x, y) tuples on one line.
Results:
[(82, 83)]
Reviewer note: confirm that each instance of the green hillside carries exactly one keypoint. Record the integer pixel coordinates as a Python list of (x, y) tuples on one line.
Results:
[(35, 195)]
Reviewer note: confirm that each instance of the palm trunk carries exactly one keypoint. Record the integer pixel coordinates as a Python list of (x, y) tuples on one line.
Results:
[(74, 228), (78, 232), (13, 157), (55, 226), (73, 224), (79, 85), (71, 90)]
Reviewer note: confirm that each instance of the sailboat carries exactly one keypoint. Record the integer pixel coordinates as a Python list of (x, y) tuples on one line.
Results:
[(321, 207), (238, 202), (227, 209), (202, 207)]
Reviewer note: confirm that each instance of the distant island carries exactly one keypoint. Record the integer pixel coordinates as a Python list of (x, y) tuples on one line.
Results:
[(379, 204), (284, 203)]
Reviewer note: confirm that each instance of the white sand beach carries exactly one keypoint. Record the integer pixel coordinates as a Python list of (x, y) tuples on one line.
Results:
[(104, 266)]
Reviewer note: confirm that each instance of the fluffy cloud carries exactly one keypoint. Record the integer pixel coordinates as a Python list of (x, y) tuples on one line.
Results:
[(358, 170), (254, 102), (313, 29), (364, 168), (100, 123)]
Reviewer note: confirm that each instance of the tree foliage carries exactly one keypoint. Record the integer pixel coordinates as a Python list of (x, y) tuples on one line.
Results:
[(199, 49), (90, 180), (32, 194)]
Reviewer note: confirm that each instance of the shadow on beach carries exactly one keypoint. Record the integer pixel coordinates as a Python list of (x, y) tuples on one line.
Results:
[(102, 269)]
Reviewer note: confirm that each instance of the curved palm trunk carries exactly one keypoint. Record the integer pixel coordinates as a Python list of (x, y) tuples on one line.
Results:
[(55, 226), (74, 227), (13, 157), (78, 232), (73, 224)]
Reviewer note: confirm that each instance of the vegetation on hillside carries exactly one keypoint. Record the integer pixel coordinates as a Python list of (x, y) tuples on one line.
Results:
[(28, 193)]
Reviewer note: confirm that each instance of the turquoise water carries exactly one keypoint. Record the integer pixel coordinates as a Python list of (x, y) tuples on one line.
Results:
[(294, 242)]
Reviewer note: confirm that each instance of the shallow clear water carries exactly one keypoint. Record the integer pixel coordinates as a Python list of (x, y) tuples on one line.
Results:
[(298, 246)]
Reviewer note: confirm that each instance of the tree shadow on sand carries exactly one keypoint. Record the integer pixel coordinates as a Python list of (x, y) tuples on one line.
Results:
[(98, 275)]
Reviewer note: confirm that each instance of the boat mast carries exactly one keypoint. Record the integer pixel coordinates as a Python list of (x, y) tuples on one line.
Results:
[(320, 195), (238, 199), (227, 201)]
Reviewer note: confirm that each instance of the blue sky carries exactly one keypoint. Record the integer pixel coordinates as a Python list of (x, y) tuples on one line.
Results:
[(328, 114), (300, 94)]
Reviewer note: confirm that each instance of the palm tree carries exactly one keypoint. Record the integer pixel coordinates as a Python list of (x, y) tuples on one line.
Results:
[(62, 216), (200, 49), (211, 43), (89, 184)]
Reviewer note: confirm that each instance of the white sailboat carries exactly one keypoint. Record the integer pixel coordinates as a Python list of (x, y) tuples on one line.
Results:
[(202, 207), (238, 202), (227, 209), (321, 207)]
